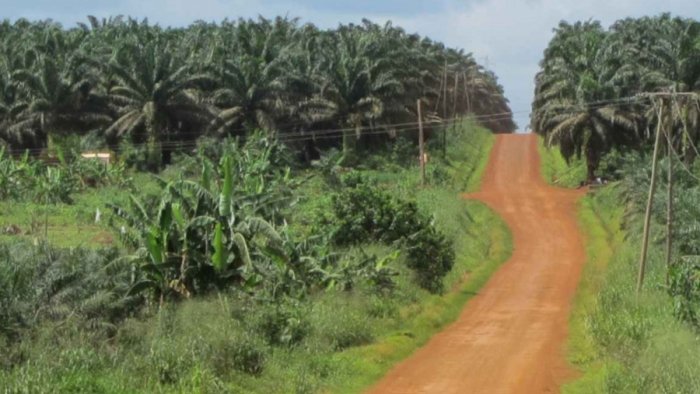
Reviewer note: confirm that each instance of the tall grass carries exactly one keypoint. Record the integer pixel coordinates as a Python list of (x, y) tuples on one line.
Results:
[(556, 171), (621, 342)]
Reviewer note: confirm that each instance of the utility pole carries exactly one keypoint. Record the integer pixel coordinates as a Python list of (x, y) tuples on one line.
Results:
[(669, 203), (454, 118), (444, 99), (647, 215), (667, 130), (421, 148)]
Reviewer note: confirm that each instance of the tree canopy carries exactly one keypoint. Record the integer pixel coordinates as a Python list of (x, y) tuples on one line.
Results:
[(588, 92), (123, 80)]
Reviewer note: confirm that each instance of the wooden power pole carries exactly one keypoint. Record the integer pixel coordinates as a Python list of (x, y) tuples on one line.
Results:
[(664, 126), (454, 118), (466, 92), (421, 147), (652, 188), (444, 98), (669, 203)]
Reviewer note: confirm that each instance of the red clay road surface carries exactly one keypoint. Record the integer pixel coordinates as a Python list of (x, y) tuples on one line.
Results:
[(510, 338)]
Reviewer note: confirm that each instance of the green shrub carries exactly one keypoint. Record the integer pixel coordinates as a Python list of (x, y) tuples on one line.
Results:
[(404, 152), (133, 155), (431, 256), (283, 323), (364, 213), (202, 334), (168, 362), (28, 179), (41, 283), (95, 173), (684, 287)]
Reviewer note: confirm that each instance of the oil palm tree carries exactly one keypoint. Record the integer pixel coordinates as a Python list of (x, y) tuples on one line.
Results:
[(355, 88), (252, 74), (569, 107), (153, 94), (671, 63), (57, 100), (11, 107)]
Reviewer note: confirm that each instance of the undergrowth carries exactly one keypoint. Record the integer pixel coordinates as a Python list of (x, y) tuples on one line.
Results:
[(339, 338)]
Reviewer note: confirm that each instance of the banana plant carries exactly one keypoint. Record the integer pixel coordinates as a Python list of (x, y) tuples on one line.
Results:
[(196, 238)]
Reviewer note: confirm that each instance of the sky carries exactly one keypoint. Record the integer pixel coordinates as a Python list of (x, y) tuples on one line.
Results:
[(507, 36)]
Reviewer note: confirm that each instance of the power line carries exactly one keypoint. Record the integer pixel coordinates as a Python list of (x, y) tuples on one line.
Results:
[(365, 130), (289, 137), (683, 165)]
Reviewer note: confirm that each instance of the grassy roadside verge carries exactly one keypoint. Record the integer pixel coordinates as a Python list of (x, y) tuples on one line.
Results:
[(367, 364), (468, 174), (556, 171), (622, 343), (602, 237)]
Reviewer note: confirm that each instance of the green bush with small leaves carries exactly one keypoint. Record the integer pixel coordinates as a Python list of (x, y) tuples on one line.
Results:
[(362, 212)]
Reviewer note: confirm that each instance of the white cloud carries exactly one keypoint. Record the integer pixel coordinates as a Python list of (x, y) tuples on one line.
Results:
[(510, 36)]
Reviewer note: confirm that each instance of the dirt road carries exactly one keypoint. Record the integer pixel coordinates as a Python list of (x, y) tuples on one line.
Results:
[(510, 338)]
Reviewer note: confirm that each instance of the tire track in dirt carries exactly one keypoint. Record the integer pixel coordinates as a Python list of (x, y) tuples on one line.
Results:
[(510, 337)]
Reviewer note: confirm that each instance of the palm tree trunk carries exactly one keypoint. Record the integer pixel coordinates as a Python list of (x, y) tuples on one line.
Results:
[(350, 143), (347, 145), (50, 143), (591, 163), (154, 152)]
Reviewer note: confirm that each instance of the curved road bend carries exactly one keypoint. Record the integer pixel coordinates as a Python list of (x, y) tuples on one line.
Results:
[(510, 338)]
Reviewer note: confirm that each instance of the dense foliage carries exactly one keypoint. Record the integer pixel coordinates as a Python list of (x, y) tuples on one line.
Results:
[(587, 93), (364, 212), (43, 283), (128, 85), (597, 97), (27, 179), (229, 276), (682, 281)]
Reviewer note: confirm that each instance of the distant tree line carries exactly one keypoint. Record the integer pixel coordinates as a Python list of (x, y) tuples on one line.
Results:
[(119, 80), (587, 94)]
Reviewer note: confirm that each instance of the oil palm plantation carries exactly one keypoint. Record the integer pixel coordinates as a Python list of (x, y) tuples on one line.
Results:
[(666, 59), (126, 80), (575, 106), (355, 87)]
